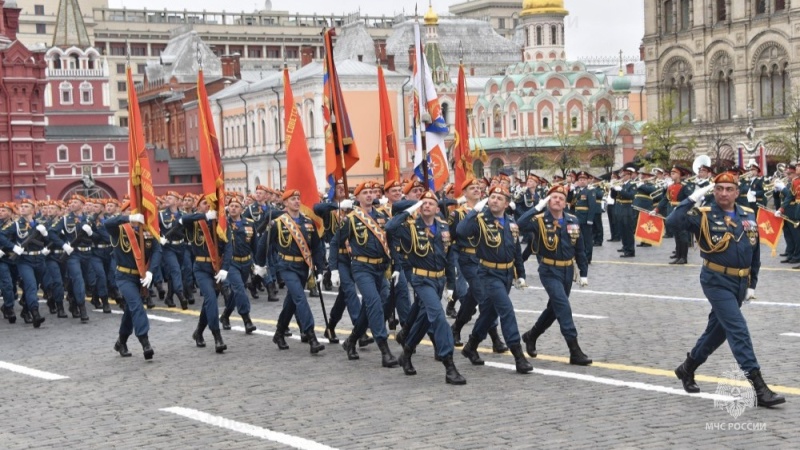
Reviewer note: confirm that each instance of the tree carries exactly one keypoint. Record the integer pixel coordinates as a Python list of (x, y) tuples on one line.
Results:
[(572, 148), (606, 134), (789, 137), (662, 135)]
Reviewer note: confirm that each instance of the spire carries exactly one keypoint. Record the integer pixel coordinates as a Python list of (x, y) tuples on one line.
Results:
[(70, 29)]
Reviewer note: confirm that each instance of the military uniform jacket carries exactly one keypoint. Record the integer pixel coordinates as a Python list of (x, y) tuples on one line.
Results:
[(282, 243), (585, 205), (243, 238), (644, 196), (675, 194), (69, 230), (728, 240), (625, 198), (456, 216), (331, 217), (363, 242), (101, 240), (496, 240), (757, 186), (425, 247), (123, 253), (789, 204), (16, 231), (170, 226), (554, 240), (744, 187), (197, 241)]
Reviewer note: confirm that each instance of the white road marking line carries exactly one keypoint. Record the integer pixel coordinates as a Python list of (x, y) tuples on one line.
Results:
[(245, 428), (31, 372), (791, 334), (149, 316), (618, 383), (580, 316), (294, 336)]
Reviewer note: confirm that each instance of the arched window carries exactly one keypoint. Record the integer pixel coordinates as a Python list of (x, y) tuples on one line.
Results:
[(538, 35), (761, 6), (497, 120), (311, 129), (724, 96), (679, 86), (545, 123), (553, 35), (86, 93), (722, 11), (774, 83), (780, 5), (667, 12), (477, 168), (252, 134), (65, 89), (530, 163), (277, 130), (685, 14), (497, 166), (574, 122), (109, 153), (263, 131), (62, 153)]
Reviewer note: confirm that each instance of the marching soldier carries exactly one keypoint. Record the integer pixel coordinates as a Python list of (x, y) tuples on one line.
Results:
[(426, 240), (624, 212), (729, 244), (558, 243), (131, 259), (497, 247), (243, 241), (678, 191), (71, 237), (100, 258), (55, 266), (586, 208), (6, 280), (173, 246), (646, 191)]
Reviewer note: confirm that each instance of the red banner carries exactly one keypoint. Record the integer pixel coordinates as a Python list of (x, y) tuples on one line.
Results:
[(462, 159), (769, 228), (649, 229), (391, 165), (210, 161)]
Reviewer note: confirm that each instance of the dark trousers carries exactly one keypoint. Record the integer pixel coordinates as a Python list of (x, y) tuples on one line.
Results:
[(627, 229), (296, 302), (134, 318), (209, 314), (369, 279), (597, 229), (431, 317), (494, 303), (347, 297), (557, 282)]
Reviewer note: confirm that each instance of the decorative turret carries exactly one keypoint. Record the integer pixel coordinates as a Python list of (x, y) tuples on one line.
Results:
[(431, 21), (70, 29), (543, 24)]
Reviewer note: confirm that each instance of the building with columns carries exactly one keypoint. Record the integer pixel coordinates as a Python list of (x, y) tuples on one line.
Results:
[(720, 62)]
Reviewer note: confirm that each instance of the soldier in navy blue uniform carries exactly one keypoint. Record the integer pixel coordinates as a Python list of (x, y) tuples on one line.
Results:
[(363, 230), (425, 239), (6, 279), (243, 240), (70, 236), (558, 243), (729, 244), (294, 239), (201, 230), (675, 193), (173, 245), (496, 239), (339, 265), (624, 212), (261, 212), (101, 252), (756, 194), (123, 233), (30, 260), (586, 209)]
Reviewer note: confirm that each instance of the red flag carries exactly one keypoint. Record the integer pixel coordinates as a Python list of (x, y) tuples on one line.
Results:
[(649, 229), (140, 183), (461, 155), (391, 167), (340, 146), (210, 161), (769, 228), (299, 168)]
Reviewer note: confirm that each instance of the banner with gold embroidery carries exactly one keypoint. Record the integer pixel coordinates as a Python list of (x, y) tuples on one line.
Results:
[(649, 228), (770, 228), (299, 239)]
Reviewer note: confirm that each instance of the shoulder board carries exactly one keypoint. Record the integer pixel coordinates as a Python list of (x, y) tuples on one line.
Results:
[(747, 209), (440, 220), (8, 225), (570, 217), (249, 220)]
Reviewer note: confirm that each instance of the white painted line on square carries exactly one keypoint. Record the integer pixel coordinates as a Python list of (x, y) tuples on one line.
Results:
[(31, 372), (580, 316), (791, 334), (149, 316), (246, 428), (294, 336)]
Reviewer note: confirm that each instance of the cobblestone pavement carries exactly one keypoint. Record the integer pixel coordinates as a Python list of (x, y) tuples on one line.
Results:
[(636, 319)]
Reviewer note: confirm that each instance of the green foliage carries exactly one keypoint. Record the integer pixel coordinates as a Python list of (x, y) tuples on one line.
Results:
[(789, 136), (572, 148), (662, 135)]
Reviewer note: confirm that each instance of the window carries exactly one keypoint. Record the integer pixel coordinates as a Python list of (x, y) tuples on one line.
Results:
[(574, 122), (722, 11), (277, 131), (254, 52), (774, 85), (123, 104), (263, 131), (41, 28), (140, 68), (685, 15), (553, 35), (538, 35), (138, 50), (86, 93), (86, 153), (63, 153), (291, 53), (477, 167), (38, 10), (120, 69), (122, 86), (669, 23), (501, 23), (483, 127), (66, 93), (497, 166), (780, 5), (118, 50), (123, 122), (724, 96), (514, 123), (311, 125), (445, 112), (761, 6), (545, 123), (109, 152), (497, 123), (683, 97)]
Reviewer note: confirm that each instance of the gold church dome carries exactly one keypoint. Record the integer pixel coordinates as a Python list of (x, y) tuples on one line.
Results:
[(533, 7), (431, 18)]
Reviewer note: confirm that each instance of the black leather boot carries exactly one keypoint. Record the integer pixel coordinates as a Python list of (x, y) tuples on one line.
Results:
[(161, 292), (147, 349), (576, 355), (182, 300), (451, 373), (764, 395), (198, 336), (470, 351), (326, 280), (313, 344), (189, 294), (387, 359), (330, 334), (60, 313), (219, 345), (349, 345), (148, 300), (225, 319), (365, 341), (26, 315), (272, 292), (251, 286), (168, 300), (400, 337), (121, 346), (51, 305), (106, 305), (523, 366), (529, 338), (685, 373), (450, 310), (498, 346), (280, 340), (84, 314), (248, 324), (456, 328), (73, 308), (37, 319), (405, 361), (8, 313), (96, 302)]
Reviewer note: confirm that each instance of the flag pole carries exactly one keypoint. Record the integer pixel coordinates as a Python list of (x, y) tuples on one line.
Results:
[(335, 125), (137, 190), (422, 122), (211, 205)]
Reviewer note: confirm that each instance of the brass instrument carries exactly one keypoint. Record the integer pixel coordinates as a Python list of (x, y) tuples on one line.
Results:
[(769, 188)]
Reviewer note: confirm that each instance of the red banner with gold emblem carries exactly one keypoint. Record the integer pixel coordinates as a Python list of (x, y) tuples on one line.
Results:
[(649, 229), (769, 228)]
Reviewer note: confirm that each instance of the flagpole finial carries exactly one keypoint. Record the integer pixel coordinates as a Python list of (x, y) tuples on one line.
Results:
[(416, 14), (199, 56), (460, 52)]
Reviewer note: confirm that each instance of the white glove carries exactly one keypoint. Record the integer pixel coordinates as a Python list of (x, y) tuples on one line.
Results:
[(590, 223), (448, 295), (751, 295), (395, 277), (481, 204), (700, 194), (346, 204), (42, 230), (584, 282), (335, 280), (751, 196), (383, 201), (319, 279), (512, 205), (147, 280), (654, 213), (45, 251), (87, 229), (18, 250), (461, 200), (617, 188), (211, 215), (136, 218), (2, 253), (162, 240), (779, 185), (260, 271), (67, 249), (778, 214), (610, 201), (542, 204), (414, 207), (520, 284), (221, 276)]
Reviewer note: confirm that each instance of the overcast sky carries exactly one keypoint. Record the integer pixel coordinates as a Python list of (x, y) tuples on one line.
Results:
[(593, 28)]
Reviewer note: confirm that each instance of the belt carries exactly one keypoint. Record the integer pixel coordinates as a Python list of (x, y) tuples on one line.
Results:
[(176, 242), (58, 252), (242, 258), (83, 249), (203, 259), (674, 203), (731, 271), (128, 271), (32, 253), (469, 250), (292, 258), (625, 202), (342, 251), (581, 208), (428, 273), (102, 246), (558, 262), (501, 266), (643, 196), (364, 259)]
